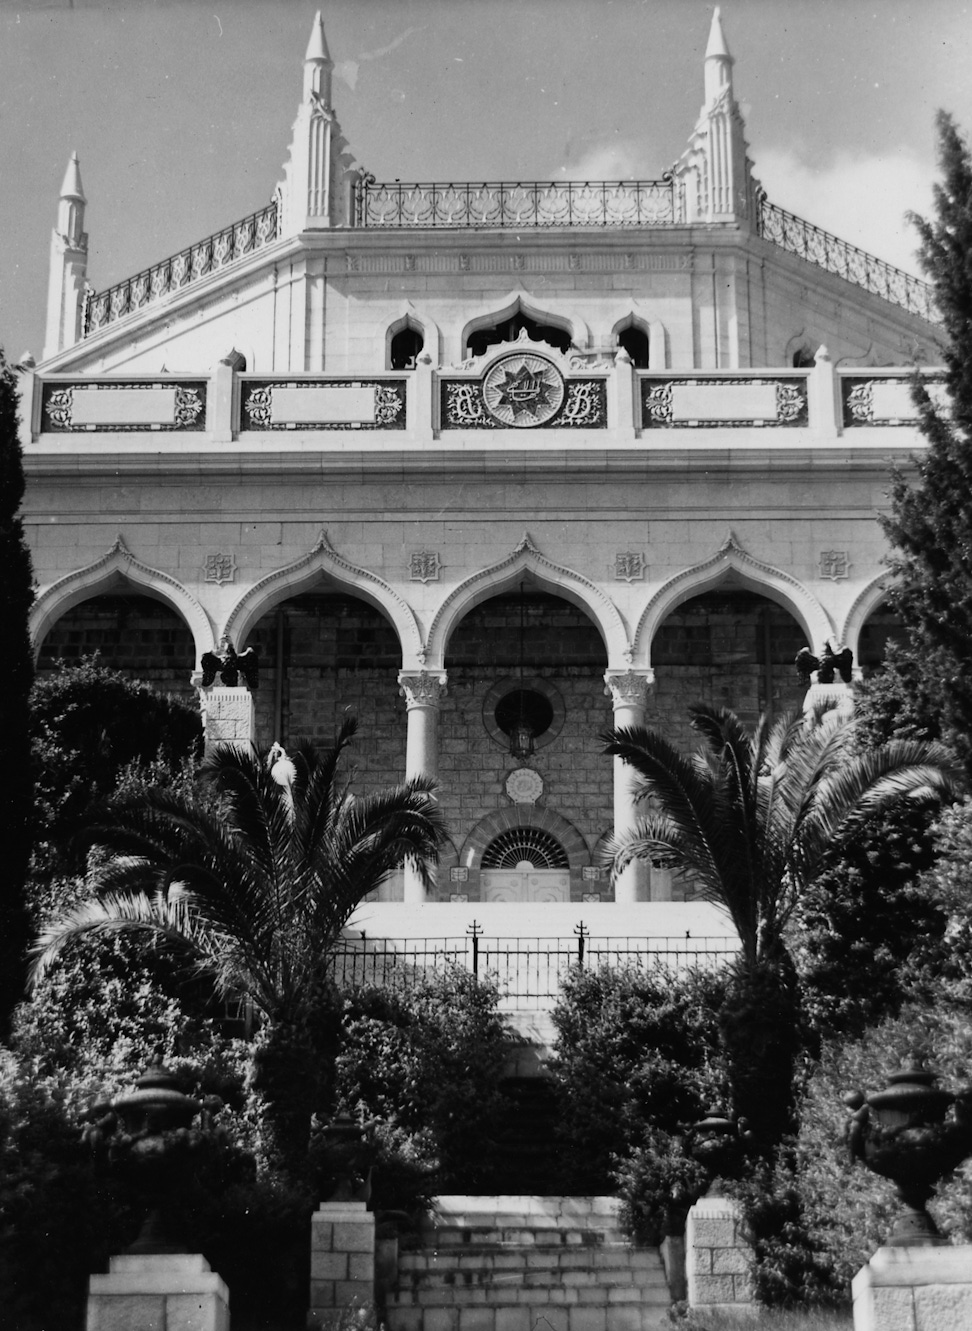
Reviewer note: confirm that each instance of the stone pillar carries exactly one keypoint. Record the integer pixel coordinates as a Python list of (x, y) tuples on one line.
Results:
[(228, 715), (628, 690), (342, 1262), (421, 691), (915, 1289), (717, 1257), (823, 400), (161, 1291)]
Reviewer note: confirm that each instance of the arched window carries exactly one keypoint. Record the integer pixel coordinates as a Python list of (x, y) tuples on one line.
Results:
[(508, 330), (803, 358), (525, 848), (406, 347), (634, 340)]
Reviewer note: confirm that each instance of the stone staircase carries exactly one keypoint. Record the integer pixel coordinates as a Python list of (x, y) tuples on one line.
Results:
[(520, 1263)]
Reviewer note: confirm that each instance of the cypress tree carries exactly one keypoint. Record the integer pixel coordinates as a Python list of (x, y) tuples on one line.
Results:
[(16, 677), (930, 524)]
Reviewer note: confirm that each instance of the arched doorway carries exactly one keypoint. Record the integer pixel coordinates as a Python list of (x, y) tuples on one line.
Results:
[(525, 657), (138, 635), (323, 654)]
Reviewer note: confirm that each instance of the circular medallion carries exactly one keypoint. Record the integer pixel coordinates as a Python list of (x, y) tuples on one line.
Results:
[(524, 786), (523, 390)]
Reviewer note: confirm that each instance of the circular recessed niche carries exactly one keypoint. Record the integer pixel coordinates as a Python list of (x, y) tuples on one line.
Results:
[(542, 708)]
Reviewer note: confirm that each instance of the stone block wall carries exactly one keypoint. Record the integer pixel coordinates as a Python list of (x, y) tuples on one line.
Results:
[(137, 635)]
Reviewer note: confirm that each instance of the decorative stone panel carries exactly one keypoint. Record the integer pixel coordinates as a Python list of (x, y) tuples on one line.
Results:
[(870, 400), (322, 404), (123, 405), (523, 390), (691, 403)]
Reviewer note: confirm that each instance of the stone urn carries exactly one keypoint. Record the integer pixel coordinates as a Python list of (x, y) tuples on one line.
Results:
[(905, 1133), (349, 1155), (720, 1145), (151, 1144)]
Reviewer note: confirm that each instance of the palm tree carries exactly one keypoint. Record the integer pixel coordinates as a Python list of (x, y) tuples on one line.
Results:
[(749, 819), (253, 881)]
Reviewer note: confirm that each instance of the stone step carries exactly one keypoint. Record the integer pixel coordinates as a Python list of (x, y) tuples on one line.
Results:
[(425, 1282), (517, 1232), (459, 1296), (606, 1258), (459, 1209), (618, 1317)]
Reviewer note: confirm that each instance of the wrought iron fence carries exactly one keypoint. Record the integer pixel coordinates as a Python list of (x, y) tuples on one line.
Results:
[(837, 256), (515, 203), (180, 270), (528, 972)]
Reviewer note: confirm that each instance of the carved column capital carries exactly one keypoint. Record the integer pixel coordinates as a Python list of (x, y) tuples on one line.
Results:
[(422, 688), (628, 688)]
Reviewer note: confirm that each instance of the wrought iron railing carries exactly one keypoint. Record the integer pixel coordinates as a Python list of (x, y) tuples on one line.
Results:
[(528, 972), (837, 256), (515, 204), (180, 270)]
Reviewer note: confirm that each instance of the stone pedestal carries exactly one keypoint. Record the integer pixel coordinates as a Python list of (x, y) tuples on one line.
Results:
[(915, 1289), (158, 1292), (717, 1257), (228, 716), (342, 1262)]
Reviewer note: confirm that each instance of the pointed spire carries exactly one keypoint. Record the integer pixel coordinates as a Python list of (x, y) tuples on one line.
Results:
[(72, 188), (718, 62), (317, 46), (318, 64)]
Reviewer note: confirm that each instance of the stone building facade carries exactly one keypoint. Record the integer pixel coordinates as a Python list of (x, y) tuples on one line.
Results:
[(467, 459)]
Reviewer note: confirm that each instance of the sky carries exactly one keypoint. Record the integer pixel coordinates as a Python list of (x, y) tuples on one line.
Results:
[(181, 110)]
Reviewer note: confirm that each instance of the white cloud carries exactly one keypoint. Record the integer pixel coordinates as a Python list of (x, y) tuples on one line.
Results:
[(862, 200), (622, 159)]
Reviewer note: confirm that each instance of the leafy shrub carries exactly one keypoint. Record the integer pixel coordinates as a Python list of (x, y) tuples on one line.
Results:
[(424, 1059), (817, 1216), (636, 1059)]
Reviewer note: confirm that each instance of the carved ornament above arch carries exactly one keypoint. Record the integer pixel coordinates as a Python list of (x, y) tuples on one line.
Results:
[(753, 574), (555, 578), (118, 566), (303, 574)]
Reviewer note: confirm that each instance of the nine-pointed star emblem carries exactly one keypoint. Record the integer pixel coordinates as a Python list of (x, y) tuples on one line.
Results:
[(524, 392)]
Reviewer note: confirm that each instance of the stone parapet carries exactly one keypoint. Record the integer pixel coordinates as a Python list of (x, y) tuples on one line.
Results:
[(915, 1289), (718, 1257)]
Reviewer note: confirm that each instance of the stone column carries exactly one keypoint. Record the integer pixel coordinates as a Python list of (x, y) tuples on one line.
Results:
[(164, 1291), (421, 691), (628, 690), (342, 1273)]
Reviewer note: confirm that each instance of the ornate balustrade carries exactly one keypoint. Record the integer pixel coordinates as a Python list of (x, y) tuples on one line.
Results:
[(180, 270), (827, 251), (516, 204)]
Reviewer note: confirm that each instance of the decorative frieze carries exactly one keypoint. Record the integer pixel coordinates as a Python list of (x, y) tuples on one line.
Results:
[(124, 405), (331, 404), (523, 391), (717, 403)]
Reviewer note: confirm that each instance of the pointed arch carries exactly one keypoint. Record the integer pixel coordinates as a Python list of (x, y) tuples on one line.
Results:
[(118, 567), (525, 558), (731, 559), (407, 316), (866, 602), (519, 302), (653, 329), (303, 575)]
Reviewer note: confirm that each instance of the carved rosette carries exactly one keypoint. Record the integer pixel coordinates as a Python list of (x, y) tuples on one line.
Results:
[(628, 688), (423, 689)]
